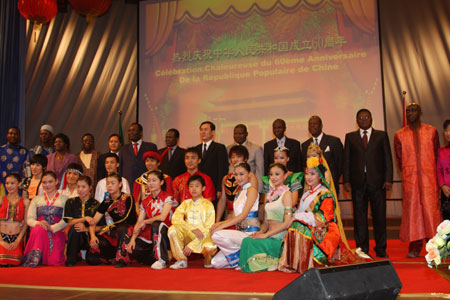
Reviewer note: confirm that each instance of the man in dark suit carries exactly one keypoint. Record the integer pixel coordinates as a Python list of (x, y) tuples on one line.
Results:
[(368, 174), (214, 161), (114, 145), (131, 162), (331, 146), (173, 156), (295, 154)]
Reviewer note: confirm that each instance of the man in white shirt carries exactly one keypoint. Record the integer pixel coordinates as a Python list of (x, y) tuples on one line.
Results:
[(111, 166)]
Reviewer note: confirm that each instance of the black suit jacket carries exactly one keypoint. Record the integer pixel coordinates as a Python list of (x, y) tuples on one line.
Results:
[(215, 163), (295, 155), (377, 159), (176, 165), (132, 166), (333, 151), (101, 171)]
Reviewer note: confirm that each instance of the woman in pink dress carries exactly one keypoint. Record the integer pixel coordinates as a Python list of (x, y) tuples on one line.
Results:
[(46, 243)]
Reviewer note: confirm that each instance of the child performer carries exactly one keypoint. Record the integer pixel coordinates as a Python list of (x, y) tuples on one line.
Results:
[(191, 223)]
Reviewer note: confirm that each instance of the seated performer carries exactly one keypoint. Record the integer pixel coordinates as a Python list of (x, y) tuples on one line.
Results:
[(152, 161), (293, 180), (119, 209), (191, 223), (32, 185), (45, 216), (150, 243), (12, 222), (261, 251), (230, 188), (68, 185), (245, 217), (192, 159), (313, 236), (78, 213), (111, 166)]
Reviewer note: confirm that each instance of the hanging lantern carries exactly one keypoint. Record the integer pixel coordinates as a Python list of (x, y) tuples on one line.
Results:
[(38, 11), (89, 8)]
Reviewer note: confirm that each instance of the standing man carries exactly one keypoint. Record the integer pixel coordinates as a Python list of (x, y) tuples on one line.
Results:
[(173, 155), (295, 154), (89, 157), (46, 142), (214, 160), (114, 145), (12, 155), (331, 146), (368, 174), (416, 147), (255, 153), (131, 160)]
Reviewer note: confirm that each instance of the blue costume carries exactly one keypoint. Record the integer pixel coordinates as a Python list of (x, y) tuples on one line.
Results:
[(12, 159)]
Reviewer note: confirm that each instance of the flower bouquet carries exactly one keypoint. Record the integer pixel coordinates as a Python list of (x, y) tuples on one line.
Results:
[(438, 247)]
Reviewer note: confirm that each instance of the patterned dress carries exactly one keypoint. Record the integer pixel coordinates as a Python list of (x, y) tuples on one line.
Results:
[(11, 213)]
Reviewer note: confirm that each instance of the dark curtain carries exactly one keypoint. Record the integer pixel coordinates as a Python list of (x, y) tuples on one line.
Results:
[(12, 68), (79, 75)]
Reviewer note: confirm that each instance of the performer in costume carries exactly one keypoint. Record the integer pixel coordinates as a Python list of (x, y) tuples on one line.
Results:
[(230, 188), (191, 223), (192, 159), (313, 236), (152, 161), (261, 251), (119, 208), (13, 211), (32, 186), (150, 243), (293, 180), (443, 172), (68, 185), (245, 217), (45, 216), (79, 213)]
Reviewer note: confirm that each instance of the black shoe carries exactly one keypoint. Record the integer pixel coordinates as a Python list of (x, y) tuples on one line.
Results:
[(69, 264), (382, 254), (120, 264)]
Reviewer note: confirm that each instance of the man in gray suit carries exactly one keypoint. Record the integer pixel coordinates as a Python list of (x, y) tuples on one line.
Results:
[(255, 152)]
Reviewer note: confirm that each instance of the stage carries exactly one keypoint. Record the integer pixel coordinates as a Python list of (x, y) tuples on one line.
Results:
[(136, 281)]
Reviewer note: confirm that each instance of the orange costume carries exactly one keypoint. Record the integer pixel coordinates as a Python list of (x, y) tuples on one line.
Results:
[(11, 213), (181, 190), (416, 154)]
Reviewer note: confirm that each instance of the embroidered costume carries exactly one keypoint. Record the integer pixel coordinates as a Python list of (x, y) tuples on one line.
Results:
[(75, 208), (263, 254), (141, 190), (181, 190), (122, 212), (229, 241), (46, 247), (231, 188), (11, 213), (153, 243), (314, 236), (190, 215)]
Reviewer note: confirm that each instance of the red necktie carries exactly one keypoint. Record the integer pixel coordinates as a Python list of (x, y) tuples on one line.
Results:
[(135, 148), (364, 138)]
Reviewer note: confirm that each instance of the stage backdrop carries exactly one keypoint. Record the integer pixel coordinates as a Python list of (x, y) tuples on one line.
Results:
[(251, 62)]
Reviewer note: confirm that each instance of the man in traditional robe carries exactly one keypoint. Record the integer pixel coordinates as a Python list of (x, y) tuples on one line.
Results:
[(416, 147), (12, 155)]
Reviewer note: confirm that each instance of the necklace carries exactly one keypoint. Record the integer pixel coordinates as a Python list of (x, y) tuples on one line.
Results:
[(51, 202)]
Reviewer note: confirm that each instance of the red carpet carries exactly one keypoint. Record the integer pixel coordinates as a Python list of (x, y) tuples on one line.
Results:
[(414, 274)]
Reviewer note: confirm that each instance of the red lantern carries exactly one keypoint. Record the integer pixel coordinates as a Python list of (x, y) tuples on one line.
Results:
[(90, 8), (38, 11)]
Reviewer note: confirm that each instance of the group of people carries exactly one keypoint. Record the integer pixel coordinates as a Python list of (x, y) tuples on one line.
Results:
[(140, 203)]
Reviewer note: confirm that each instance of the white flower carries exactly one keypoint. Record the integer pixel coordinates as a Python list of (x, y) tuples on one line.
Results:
[(444, 228)]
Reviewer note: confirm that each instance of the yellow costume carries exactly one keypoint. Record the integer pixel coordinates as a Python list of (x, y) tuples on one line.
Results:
[(191, 215)]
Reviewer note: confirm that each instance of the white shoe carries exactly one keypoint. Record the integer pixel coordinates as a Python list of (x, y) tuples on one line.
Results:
[(158, 265), (179, 264), (272, 268), (362, 254), (208, 266)]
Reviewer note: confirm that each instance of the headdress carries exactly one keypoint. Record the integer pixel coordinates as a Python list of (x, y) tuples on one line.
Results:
[(152, 154), (313, 148), (281, 149), (63, 184), (47, 127), (316, 163)]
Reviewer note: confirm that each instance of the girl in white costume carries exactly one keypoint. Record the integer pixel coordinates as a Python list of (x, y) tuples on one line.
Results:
[(245, 218)]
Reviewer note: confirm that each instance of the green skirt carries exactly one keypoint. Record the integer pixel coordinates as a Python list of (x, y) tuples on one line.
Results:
[(260, 254)]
